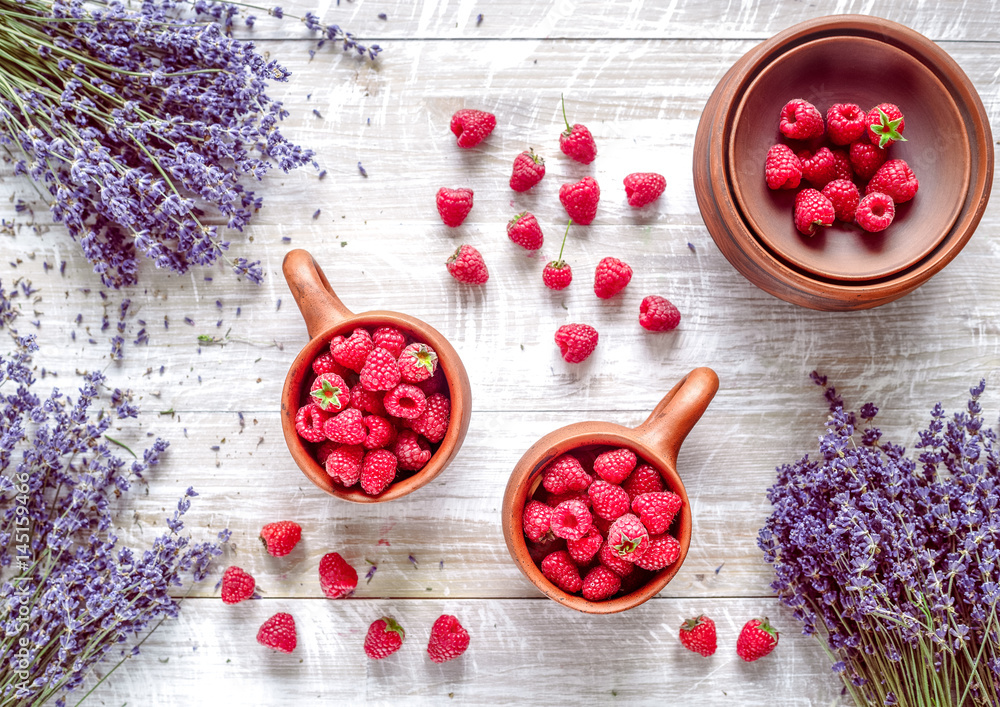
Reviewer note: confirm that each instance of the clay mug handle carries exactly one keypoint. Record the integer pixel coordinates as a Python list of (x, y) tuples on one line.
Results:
[(320, 307), (676, 415)]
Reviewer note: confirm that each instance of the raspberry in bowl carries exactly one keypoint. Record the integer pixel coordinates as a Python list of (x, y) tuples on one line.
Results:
[(376, 404)]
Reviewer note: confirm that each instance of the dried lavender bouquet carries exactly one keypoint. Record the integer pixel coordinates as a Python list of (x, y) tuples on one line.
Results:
[(895, 562)]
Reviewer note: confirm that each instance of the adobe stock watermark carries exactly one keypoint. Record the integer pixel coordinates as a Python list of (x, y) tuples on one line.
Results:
[(22, 587)]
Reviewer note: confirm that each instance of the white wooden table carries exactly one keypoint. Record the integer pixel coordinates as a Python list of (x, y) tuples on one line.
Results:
[(638, 74)]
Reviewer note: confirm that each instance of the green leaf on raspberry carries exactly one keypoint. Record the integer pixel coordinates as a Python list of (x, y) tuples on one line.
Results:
[(327, 395), (628, 545), (887, 130), (425, 357)]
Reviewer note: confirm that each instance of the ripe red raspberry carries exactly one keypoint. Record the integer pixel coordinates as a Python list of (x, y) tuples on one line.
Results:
[(580, 199), (325, 363), (576, 142), (471, 127), (330, 393), (615, 465), (885, 125), (337, 578), (454, 205), (529, 169), (417, 362), (368, 401), (278, 632), (385, 637), (600, 584), (657, 510), (344, 464), (757, 639), (645, 479), (642, 188), (658, 314), (559, 569), (524, 230), (346, 427), (557, 274), (280, 538), (565, 475), (698, 635), (433, 424), (237, 585), (818, 168), (610, 559), (412, 451), (576, 341), (896, 179), (406, 401), (379, 432), (611, 277), (448, 640), (782, 168), (609, 500), (866, 159), (537, 521), (663, 551), (812, 209), (629, 537), (800, 120), (467, 265), (845, 123), (875, 212), (583, 550), (844, 196), (842, 165), (378, 469), (389, 338), (571, 520), (309, 421), (352, 351)]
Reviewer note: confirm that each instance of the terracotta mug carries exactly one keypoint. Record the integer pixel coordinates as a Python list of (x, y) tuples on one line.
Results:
[(656, 441), (326, 317)]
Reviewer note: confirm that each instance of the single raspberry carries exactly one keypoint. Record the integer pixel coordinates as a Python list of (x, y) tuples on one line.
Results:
[(800, 120), (467, 265), (844, 196), (600, 584), (559, 569), (757, 639), (557, 274), (337, 578), (575, 141), (346, 427), (819, 168), (237, 585), (663, 551), (412, 451), (405, 401), (698, 635), (324, 450), (325, 363), (629, 537), (782, 168), (565, 475), (845, 123), (896, 179), (580, 200), (609, 557), (433, 424), (842, 165), (571, 520), (389, 338), (309, 421), (380, 372), (866, 159), (645, 479), (417, 362), (576, 341), (812, 209), (658, 314), (611, 277), (369, 401), (278, 632), (378, 469), (615, 465), (609, 500), (537, 521), (330, 393), (280, 538), (344, 464), (583, 550), (885, 125), (524, 230), (380, 433), (352, 351), (385, 637), (454, 205), (642, 188), (529, 169), (471, 126), (657, 510), (875, 212), (448, 640)]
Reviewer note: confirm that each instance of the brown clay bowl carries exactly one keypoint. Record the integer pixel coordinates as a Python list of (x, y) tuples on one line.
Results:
[(656, 441), (326, 317), (854, 272)]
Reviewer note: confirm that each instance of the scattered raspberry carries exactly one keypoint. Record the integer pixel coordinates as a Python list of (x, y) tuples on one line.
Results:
[(454, 205), (406, 401), (842, 165), (571, 520), (378, 469), (812, 209), (279, 538), (642, 188), (559, 569), (698, 635), (352, 351), (448, 639), (524, 230), (583, 550), (565, 475), (557, 275), (610, 559), (580, 199), (866, 159), (346, 427), (528, 171), (896, 179), (325, 363), (330, 393), (467, 265), (369, 401), (433, 424), (875, 212), (663, 551), (614, 466), (537, 521), (384, 638), (757, 639), (645, 479), (344, 464), (819, 168), (576, 341), (609, 500), (782, 168), (337, 578), (844, 196), (278, 632), (611, 277), (576, 142), (600, 583), (885, 125), (380, 433), (237, 585), (412, 451), (658, 314), (629, 537), (800, 120), (657, 510), (417, 362), (471, 126), (309, 421), (845, 123), (389, 338)]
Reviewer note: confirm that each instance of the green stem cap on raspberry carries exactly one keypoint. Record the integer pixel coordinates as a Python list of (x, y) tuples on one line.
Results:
[(767, 628), (887, 130), (424, 356), (628, 545), (692, 624), (392, 625), (327, 395), (537, 159), (558, 262)]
